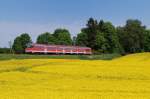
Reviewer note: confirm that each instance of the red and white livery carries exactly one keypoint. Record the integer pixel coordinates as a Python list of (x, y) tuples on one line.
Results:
[(58, 49)]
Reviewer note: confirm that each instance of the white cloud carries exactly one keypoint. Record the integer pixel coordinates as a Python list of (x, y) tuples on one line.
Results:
[(9, 30)]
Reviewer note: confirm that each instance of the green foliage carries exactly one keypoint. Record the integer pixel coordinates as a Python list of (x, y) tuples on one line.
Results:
[(82, 39), (46, 38), (131, 36), (112, 40), (25, 40), (21, 42), (91, 31), (5, 50), (101, 36), (147, 41), (62, 37), (101, 44)]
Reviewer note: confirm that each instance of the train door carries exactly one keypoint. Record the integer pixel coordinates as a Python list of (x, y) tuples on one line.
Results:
[(45, 50)]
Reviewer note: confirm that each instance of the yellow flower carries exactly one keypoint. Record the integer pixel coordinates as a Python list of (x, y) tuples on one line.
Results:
[(123, 78)]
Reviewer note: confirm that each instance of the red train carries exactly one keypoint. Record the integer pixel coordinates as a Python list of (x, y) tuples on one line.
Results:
[(58, 49)]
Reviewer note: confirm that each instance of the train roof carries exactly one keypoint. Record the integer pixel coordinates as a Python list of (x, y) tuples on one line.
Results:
[(48, 45)]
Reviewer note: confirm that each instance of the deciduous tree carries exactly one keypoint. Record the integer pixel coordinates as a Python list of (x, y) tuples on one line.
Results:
[(62, 37)]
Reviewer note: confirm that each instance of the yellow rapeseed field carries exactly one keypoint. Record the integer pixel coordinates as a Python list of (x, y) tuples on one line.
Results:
[(123, 78)]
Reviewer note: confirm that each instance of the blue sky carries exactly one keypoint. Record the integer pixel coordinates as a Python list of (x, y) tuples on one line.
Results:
[(37, 16)]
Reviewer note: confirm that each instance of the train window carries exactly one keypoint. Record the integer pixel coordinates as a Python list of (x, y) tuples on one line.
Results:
[(74, 49), (60, 48), (81, 49), (51, 48), (68, 48), (87, 49), (39, 47)]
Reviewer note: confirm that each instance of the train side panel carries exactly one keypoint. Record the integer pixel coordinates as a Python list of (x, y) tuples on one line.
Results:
[(58, 49)]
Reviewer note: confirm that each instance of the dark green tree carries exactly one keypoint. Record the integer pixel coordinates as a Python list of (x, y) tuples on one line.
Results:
[(25, 40), (147, 41), (62, 37), (101, 44), (82, 39), (91, 31), (131, 36), (17, 46), (46, 38), (100, 32), (21, 42), (113, 45)]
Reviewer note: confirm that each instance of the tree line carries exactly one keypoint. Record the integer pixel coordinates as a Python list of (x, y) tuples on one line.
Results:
[(101, 36)]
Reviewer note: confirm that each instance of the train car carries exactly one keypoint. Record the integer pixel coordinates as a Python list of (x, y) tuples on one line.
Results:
[(58, 49)]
